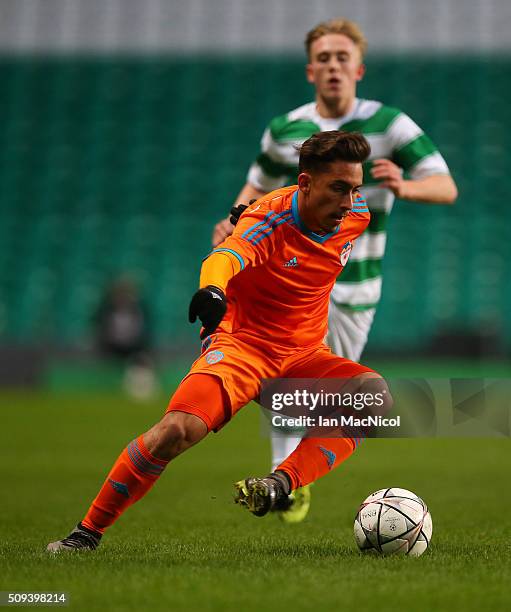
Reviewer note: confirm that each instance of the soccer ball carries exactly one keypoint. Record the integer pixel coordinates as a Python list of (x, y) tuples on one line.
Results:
[(393, 521)]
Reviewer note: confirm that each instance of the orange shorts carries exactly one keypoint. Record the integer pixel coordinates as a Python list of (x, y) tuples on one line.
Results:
[(236, 368)]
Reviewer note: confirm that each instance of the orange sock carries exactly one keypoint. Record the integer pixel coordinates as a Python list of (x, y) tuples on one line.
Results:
[(315, 457), (131, 477)]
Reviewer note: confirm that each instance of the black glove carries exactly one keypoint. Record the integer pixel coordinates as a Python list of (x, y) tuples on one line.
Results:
[(209, 304), (238, 210)]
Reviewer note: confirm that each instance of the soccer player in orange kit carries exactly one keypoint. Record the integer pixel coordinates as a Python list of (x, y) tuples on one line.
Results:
[(263, 302)]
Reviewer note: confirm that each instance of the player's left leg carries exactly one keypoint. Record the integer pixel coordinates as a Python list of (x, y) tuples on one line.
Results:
[(314, 456), (347, 336)]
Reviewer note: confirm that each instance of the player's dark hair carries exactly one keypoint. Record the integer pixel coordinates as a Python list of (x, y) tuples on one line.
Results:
[(326, 147)]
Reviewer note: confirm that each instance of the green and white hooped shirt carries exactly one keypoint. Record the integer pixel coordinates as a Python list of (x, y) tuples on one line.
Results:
[(392, 135)]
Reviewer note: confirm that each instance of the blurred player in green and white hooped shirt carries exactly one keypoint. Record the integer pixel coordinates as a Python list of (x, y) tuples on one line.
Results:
[(335, 51)]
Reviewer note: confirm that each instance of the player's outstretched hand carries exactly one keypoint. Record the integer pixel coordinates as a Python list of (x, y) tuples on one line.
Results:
[(209, 305)]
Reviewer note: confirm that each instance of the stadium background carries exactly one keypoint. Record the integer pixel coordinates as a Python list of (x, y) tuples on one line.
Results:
[(127, 130)]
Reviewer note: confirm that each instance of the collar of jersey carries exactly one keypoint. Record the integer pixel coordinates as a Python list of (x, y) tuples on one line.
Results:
[(302, 227), (337, 121)]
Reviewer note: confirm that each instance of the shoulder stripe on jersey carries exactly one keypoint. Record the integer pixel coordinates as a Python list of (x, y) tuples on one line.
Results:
[(262, 225), (259, 224), (266, 229), (237, 255), (265, 233)]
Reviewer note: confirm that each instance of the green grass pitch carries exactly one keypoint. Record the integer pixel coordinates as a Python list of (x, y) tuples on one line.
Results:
[(186, 546)]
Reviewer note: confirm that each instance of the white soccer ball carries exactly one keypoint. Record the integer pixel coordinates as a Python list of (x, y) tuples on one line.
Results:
[(393, 521)]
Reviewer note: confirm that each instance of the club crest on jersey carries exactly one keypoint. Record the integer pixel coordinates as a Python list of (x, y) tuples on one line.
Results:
[(214, 357), (345, 253)]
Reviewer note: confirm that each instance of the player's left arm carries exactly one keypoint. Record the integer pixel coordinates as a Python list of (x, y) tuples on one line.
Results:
[(414, 153), (250, 245), (433, 189)]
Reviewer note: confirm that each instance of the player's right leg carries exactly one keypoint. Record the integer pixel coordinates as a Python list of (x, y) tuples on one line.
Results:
[(221, 381), (197, 406)]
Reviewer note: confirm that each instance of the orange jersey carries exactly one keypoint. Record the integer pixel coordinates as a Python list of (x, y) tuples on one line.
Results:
[(281, 294)]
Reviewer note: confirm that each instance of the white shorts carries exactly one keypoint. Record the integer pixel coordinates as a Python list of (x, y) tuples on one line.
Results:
[(348, 330)]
